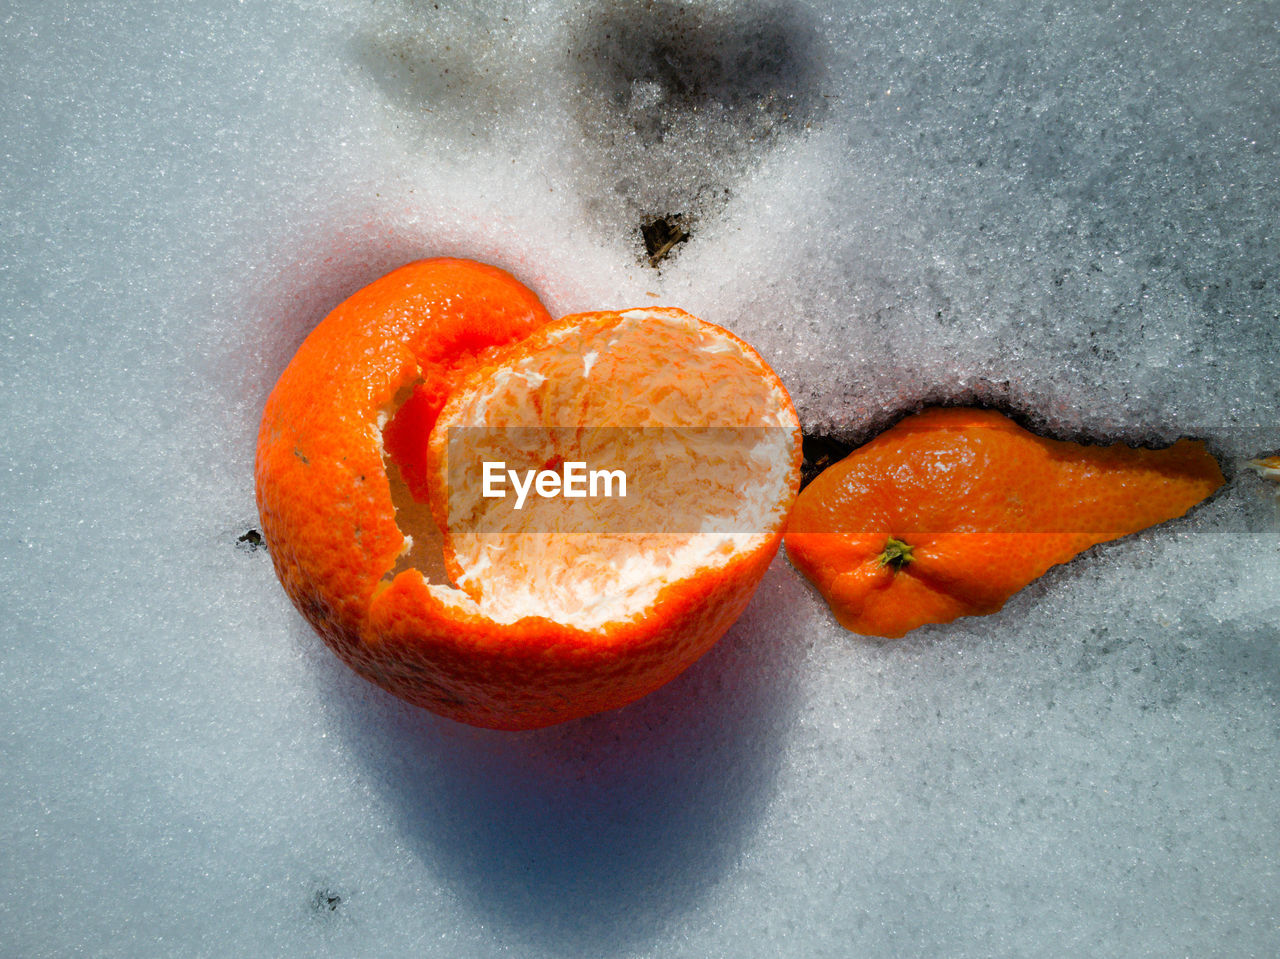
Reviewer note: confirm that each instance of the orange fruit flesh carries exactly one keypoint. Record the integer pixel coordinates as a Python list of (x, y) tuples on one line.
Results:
[(952, 511), (553, 621), (703, 434)]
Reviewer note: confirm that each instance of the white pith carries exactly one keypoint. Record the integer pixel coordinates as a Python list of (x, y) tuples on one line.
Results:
[(723, 493)]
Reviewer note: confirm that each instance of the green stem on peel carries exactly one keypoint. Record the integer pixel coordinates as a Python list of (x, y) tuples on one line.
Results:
[(896, 553)]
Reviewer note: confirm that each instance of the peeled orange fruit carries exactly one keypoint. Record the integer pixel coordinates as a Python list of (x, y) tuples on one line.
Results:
[(952, 511), (513, 521)]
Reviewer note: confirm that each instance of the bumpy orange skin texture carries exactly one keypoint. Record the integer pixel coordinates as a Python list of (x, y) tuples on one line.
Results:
[(985, 506), (327, 515)]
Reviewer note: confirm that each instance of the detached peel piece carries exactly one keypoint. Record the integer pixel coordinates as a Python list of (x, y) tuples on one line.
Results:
[(952, 511)]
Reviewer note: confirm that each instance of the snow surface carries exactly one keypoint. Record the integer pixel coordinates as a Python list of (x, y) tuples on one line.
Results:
[(1066, 208)]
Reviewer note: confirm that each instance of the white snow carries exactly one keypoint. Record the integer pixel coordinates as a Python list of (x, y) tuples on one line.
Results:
[(1066, 209)]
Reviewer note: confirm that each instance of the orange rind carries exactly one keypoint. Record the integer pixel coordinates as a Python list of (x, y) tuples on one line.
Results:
[(952, 511)]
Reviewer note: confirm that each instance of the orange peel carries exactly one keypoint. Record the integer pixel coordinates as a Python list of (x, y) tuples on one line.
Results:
[(952, 511)]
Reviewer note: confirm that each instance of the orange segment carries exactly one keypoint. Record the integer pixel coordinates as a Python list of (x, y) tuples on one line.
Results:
[(681, 408), (983, 506), (515, 619)]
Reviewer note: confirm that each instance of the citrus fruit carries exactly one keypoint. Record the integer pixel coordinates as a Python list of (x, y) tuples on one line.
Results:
[(371, 484), (952, 511)]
